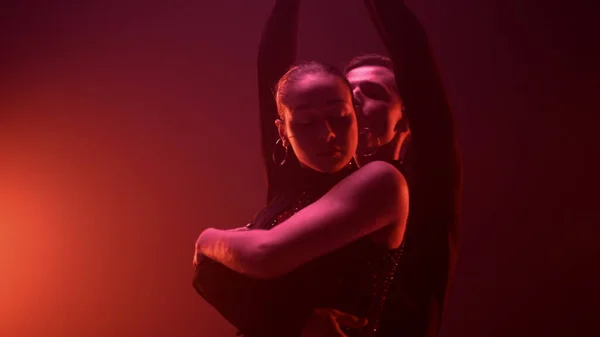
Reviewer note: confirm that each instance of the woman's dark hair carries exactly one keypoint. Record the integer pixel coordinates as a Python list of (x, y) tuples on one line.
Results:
[(296, 73)]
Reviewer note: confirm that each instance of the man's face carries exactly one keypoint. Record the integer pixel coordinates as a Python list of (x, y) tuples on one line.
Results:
[(380, 106)]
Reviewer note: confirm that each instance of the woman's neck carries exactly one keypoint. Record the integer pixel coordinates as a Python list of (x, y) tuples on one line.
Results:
[(309, 179)]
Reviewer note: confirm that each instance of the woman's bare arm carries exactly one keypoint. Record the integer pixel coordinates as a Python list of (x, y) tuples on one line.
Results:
[(373, 197)]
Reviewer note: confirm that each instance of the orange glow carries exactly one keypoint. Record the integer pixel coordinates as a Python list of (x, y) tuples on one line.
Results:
[(32, 247)]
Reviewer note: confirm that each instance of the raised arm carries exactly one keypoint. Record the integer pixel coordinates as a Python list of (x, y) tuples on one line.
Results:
[(276, 54), (438, 169), (435, 193), (371, 198), (419, 83)]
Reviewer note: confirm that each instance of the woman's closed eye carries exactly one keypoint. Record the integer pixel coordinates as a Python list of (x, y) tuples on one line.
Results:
[(340, 119)]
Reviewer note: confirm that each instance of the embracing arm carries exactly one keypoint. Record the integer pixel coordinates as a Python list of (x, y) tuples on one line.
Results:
[(276, 54), (373, 197)]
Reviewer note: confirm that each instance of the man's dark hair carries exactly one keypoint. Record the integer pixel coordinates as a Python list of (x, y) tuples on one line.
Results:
[(369, 60)]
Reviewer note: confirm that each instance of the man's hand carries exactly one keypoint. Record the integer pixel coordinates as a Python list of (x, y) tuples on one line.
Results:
[(330, 323)]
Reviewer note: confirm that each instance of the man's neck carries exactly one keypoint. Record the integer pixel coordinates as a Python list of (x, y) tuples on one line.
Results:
[(387, 152)]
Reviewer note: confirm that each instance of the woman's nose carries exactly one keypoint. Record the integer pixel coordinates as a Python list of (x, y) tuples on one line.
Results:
[(328, 131)]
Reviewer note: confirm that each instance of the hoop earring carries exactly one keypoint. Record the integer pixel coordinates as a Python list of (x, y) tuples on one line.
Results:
[(281, 162), (373, 148)]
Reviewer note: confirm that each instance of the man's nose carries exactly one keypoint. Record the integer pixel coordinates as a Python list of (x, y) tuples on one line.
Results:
[(358, 95), (359, 101)]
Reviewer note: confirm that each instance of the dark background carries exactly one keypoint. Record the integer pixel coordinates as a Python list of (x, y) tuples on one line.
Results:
[(127, 127)]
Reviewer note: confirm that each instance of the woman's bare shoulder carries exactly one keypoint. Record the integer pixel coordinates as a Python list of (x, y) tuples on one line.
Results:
[(381, 172)]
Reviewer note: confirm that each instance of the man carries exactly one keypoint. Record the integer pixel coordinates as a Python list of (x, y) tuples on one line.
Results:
[(389, 93)]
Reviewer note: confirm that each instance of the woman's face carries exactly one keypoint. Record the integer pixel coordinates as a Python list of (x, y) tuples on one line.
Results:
[(320, 122)]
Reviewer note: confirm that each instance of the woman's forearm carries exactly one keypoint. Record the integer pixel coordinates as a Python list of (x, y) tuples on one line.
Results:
[(240, 251)]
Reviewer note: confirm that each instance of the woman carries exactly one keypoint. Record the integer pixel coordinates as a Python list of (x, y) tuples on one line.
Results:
[(318, 121), (332, 228)]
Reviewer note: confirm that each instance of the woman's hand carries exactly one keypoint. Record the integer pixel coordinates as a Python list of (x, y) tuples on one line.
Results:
[(199, 240), (198, 245)]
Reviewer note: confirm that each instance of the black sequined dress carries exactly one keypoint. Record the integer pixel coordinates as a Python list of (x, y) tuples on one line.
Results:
[(354, 279)]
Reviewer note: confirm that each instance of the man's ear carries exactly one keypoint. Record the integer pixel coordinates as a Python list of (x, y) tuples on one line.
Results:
[(403, 124)]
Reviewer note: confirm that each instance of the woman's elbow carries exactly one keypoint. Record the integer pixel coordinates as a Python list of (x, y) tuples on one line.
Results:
[(403, 192), (401, 200), (391, 186)]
